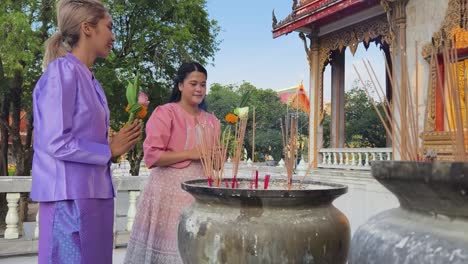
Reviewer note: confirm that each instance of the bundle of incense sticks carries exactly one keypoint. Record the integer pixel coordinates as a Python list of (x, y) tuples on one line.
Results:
[(289, 139), (456, 92), (239, 137), (213, 150), (407, 144)]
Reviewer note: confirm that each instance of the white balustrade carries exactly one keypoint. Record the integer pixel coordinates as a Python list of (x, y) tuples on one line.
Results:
[(352, 158), (22, 184)]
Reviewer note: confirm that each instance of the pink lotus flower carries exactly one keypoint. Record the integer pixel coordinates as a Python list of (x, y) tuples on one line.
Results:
[(143, 99)]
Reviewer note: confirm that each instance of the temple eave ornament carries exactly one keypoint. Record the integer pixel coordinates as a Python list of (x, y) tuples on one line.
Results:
[(297, 13), (274, 20), (376, 29)]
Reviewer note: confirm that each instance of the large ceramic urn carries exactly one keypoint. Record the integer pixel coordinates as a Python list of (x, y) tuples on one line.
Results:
[(431, 224), (276, 225)]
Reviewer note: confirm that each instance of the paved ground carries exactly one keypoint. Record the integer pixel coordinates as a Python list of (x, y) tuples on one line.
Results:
[(119, 255)]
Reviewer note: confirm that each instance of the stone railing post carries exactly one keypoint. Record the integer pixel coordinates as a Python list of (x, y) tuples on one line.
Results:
[(36, 229), (133, 196), (360, 159), (12, 219)]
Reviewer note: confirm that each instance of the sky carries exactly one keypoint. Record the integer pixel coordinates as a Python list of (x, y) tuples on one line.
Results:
[(248, 52)]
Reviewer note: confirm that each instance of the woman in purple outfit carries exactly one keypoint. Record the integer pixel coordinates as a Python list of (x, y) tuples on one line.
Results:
[(71, 172)]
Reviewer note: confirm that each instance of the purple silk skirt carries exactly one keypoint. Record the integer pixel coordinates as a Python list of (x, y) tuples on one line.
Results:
[(76, 231)]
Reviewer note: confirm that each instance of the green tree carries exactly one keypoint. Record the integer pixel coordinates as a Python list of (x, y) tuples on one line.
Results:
[(363, 127), (222, 99), (268, 111), (153, 38), (25, 26), (326, 130)]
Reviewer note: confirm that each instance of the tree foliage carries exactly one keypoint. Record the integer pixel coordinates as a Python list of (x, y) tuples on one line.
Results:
[(363, 127), (26, 25), (152, 37), (222, 99)]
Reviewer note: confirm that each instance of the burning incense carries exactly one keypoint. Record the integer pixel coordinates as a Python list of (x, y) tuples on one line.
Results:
[(289, 147), (213, 151), (239, 137), (253, 135)]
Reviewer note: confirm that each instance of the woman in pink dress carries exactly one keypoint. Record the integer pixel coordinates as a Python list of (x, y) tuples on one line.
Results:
[(172, 134)]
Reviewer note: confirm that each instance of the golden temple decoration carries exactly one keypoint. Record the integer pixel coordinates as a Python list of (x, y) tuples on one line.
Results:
[(461, 37), (455, 23), (454, 26)]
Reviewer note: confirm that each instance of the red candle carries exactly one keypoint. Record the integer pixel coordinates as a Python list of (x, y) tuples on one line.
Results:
[(233, 182), (256, 179), (210, 182), (266, 181)]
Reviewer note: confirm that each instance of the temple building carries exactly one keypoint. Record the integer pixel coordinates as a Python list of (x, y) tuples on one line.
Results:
[(413, 35)]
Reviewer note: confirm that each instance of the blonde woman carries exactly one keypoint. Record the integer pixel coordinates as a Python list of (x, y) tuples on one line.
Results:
[(71, 174)]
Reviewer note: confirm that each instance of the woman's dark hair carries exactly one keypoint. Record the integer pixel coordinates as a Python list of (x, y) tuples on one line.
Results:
[(184, 70)]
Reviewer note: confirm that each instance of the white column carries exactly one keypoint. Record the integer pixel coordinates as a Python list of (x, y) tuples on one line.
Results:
[(12, 219), (133, 196)]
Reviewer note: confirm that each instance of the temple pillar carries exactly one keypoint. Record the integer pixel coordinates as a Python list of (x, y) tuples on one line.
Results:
[(388, 92), (315, 97), (400, 77), (337, 125)]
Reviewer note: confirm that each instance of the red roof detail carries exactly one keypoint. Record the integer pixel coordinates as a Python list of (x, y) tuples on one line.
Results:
[(320, 13)]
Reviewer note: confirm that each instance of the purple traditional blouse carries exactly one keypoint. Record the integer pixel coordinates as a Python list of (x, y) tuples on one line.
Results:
[(71, 123)]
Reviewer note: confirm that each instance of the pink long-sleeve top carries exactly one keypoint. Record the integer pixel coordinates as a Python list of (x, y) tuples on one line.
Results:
[(171, 128)]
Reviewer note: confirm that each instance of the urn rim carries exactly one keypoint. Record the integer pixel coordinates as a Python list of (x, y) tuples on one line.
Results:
[(199, 187)]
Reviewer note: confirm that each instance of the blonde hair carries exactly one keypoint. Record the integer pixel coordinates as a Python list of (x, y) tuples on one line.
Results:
[(70, 15)]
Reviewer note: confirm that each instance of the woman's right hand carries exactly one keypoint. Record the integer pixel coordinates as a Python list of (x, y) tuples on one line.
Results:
[(126, 138)]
